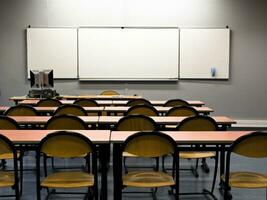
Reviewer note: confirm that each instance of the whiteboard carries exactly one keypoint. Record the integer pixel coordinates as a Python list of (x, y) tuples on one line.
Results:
[(128, 53), (203, 51), (53, 48)]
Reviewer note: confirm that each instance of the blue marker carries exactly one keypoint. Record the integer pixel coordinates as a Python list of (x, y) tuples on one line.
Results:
[(213, 71)]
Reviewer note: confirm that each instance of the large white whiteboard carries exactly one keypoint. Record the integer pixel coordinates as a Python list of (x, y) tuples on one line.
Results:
[(204, 49), (53, 48), (128, 53)]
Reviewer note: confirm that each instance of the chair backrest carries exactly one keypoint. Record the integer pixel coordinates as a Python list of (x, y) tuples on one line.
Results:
[(21, 110), (7, 123), (67, 122), (136, 123), (140, 101), (70, 109), (86, 103), (149, 144), (49, 103), (176, 102), (146, 110), (109, 92), (198, 123), (182, 111), (6, 146), (253, 145), (65, 144)]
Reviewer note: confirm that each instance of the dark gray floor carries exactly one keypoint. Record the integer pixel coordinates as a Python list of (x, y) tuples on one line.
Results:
[(188, 183)]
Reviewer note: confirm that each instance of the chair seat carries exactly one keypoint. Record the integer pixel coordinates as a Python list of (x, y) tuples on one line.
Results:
[(70, 179), (9, 155), (126, 154), (6, 179), (247, 180), (147, 179), (196, 154)]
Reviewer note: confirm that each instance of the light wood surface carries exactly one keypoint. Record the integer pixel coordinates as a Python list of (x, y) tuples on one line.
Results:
[(34, 136), (161, 102), (166, 120), (52, 109), (161, 109), (43, 119), (35, 101), (188, 137)]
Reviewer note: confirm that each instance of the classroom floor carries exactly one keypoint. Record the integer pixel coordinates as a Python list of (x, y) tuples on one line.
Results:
[(188, 182)]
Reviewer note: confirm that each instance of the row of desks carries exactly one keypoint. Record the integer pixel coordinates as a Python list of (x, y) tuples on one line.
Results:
[(112, 120), (112, 102), (104, 137), (111, 109)]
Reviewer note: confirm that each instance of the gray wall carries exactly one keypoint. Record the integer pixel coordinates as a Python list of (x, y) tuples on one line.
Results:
[(243, 96)]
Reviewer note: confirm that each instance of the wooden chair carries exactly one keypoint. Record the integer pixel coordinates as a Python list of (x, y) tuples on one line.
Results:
[(86, 103), (146, 110), (183, 111), (176, 102), (180, 111), (140, 101), (253, 146), (150, 145), (135, 123), (64, 122), (70, 109), (67, 145), (9, 178), (7, 123), (200, 123), (49, 103), (109, 92), (21, 110)]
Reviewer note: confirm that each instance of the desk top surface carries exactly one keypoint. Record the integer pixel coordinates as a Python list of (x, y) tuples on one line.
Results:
[(185, 137), (165, 119), (34, 136)]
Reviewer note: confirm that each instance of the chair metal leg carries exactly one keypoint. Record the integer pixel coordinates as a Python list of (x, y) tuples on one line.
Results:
[(205, 166), (21, 174)]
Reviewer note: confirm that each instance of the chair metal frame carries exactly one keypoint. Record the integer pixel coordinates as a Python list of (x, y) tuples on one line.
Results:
[(94, 164), (175, 160), (18, 190), (216, 157), (227, 194)]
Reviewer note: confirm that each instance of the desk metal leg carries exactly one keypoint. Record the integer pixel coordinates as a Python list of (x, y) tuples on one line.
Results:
[(103, 158), (117, 171)]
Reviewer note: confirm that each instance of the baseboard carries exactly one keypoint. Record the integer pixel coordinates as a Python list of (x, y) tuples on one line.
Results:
[(251, 123)]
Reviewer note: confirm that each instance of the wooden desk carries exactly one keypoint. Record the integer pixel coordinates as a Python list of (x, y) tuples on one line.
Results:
[(166, 120), (101, 97), (159, 102), (220, 138), (99, 137), (52, 109), (40, 120), (33, 102), (160, 109)]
